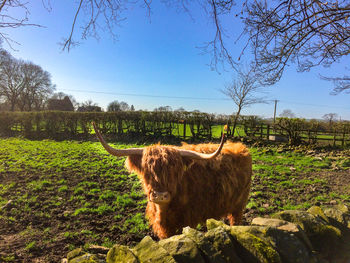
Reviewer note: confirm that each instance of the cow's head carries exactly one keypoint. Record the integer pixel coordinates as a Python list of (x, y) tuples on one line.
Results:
[(160, 168)]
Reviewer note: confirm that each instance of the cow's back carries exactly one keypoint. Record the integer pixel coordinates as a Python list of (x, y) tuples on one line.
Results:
[(216, 187)]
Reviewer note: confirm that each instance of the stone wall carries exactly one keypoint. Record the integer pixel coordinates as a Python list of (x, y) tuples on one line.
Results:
[(316, 235)]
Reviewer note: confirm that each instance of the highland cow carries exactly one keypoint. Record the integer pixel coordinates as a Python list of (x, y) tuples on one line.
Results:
[(187, 185)]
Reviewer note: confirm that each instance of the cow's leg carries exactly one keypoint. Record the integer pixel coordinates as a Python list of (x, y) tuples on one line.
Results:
[(235, 218)]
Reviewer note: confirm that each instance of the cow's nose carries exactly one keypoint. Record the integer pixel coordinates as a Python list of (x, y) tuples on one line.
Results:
[(160, 197)]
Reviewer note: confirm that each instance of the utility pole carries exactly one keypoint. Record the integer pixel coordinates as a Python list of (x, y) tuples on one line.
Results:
[(274, 113)]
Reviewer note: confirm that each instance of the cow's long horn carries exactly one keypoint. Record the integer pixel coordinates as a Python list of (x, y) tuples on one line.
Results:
[(116, 152), (203, 156)]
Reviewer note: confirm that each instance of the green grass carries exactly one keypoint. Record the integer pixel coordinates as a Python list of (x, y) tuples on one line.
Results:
[(31, 246), (67, 187), (72, 193), (290, 179)]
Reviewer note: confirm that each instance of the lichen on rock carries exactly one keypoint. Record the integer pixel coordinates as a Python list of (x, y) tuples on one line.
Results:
[(120, 253), (182, 249), (150, 251), (87, 258), (324, 237), (256, 249), (209, 244), (340, 213)]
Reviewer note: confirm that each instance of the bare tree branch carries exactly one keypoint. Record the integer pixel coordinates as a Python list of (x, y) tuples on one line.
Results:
[(306, 32), (67, 44), (243, 91), (341, 84), (9, 20), (217, 47)]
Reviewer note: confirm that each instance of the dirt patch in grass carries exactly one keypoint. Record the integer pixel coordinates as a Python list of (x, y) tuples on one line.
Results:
[(338, 181), (42, 225), (300, 191)]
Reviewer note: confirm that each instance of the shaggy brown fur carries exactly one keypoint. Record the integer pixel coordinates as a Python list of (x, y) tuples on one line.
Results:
[(199, 190)]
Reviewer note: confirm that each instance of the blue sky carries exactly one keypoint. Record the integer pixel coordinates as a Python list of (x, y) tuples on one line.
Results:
[(157, 58)]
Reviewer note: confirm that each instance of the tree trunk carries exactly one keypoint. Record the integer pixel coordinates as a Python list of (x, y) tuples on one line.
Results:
[(235, 120)]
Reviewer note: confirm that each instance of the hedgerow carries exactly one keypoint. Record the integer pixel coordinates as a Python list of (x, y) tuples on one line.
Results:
[(157, 125)]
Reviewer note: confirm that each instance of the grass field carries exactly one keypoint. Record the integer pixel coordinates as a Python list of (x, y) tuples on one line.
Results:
[(56, 196)]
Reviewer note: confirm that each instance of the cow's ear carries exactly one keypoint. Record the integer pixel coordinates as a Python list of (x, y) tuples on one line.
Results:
[(187, 163), (133, 163)]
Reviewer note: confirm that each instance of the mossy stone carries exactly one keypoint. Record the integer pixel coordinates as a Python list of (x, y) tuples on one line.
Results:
[(324, 237), (340, 213), (95, 249), (273, 222), (121, 254), (74, 253), (307, 221), (343, 208), (222, 242), (290, 248), (149, 251), (182, 249), (317, 211), (254, 247), (290, 228), (86, 258), (211, 243), (212, 223)]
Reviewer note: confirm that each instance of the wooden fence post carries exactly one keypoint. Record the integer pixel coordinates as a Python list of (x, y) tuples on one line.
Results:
[(268, 132), (184, 129), (309, 136), (120, 126)]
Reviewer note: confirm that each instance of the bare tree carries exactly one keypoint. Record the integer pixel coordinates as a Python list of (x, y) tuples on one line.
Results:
[(11, 80), (37, 87), (287, 114), (114, 106), (330, 117), (4, 55), (243, 92), (118, 106), (23, 85), (124, 106), (181, 109), (89, 106), (163, 108)]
